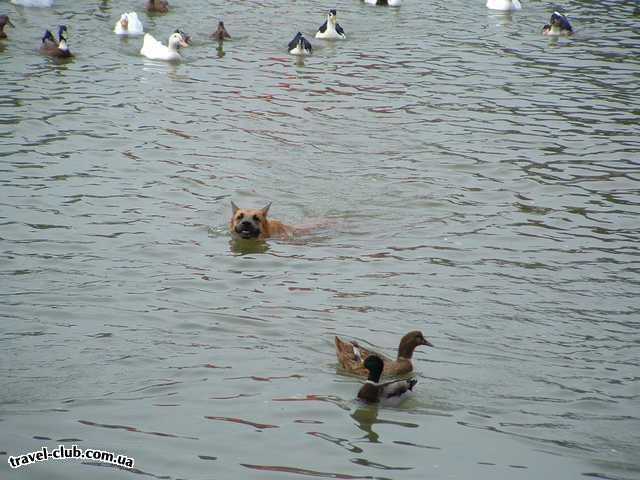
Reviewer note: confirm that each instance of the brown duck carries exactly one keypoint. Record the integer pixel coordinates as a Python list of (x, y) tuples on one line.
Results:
[(221, 33), (4, 20), (157, 6), (351, 355)]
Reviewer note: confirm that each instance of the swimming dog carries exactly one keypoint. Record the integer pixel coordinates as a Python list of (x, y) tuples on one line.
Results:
[(249, 224)]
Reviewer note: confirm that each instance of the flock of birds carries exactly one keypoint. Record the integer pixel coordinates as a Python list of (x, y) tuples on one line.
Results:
[(352, 357), (130, 24)]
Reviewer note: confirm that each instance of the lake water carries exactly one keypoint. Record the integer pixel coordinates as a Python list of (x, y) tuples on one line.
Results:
[(480, 183)]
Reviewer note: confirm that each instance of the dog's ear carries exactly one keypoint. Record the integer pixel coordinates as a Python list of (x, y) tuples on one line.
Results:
[(265, 210), (234, 207)]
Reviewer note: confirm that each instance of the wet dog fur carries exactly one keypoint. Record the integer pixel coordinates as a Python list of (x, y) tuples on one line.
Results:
[(250, 224)]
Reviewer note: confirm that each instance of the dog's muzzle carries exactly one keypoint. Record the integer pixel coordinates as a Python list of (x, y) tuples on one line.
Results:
[(247, 230)]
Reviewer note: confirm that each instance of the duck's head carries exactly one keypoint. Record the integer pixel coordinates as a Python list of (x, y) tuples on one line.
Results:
[(4, 20), (410, 341), (375, 365), (558, 20), (48, 36), (176, 40), (186, 38), (124, 21), (62, 33), (333, 16)]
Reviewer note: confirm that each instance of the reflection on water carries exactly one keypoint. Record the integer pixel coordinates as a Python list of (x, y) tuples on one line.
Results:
[(485, 179), (240, 246)]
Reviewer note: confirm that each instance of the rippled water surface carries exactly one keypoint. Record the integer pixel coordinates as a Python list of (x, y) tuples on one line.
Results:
[(475, 180)]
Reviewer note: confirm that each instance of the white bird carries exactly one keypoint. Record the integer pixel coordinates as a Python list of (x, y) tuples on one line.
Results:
[(331, 29), (504, 5), (154, 50), (129, 24), (33, 3)]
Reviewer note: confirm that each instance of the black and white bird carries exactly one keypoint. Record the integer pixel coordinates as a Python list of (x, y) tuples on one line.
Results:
[(331, 29), (558, 26), (300, 45), (386, 393), (389, 3)]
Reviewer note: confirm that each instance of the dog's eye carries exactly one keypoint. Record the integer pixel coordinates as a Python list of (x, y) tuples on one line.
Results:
[(256, 218), (240, 216)]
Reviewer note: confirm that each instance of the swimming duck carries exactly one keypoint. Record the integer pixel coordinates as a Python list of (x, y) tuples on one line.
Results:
[(221, 33), (300, 45), (33, 3), (57, 49), (154, 50), (157, 6), (4, 20), (129, 24), (504, 5), (350, 355), (390, 3), (388, 393), (331, 28), (558, 26)]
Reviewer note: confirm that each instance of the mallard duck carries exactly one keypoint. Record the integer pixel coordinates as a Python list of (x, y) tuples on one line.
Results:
[(53, 48), (129, 24), (330, 28), (4, 20), (387, 393), (504, 5), (154, 50), (300, 45), (390, 3), (221, 33), (350, 355), (33, 3), (157, 6), (558, 26)]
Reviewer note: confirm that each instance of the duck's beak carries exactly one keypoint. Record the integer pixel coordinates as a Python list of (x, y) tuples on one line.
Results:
[(9, 22), (183, 43), (426, 342)]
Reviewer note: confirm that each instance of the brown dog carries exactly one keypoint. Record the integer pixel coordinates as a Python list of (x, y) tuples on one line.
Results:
[(254, 224)]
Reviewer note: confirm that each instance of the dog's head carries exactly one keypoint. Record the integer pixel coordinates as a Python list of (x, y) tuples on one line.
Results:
[(249, 224)]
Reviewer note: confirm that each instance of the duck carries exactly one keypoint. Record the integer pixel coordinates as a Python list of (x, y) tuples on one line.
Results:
[(53, 48), (387, 393), (221, 33), (33, 3), (154, 50), (350, 355), (389, 3), (129, 24), (4, 20), (558, 26), (300, 45), (504, 5), (157, 6), (331, 29)]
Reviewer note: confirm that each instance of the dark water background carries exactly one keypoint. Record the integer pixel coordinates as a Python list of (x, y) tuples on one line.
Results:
[(482, 181)]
